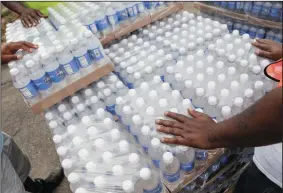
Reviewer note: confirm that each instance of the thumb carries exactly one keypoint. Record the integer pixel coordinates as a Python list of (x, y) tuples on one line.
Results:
[(194, 113), (9, 58)]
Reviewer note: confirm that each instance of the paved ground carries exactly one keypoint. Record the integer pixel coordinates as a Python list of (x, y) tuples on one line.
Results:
[(29, 130)]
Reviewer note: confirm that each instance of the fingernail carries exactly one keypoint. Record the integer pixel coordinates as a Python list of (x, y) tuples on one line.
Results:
[(166, 113), (158, 127), (19, 57), (256, 51), (157, 121)]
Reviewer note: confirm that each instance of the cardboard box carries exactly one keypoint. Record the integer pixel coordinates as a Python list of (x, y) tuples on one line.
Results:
[(70, 89)]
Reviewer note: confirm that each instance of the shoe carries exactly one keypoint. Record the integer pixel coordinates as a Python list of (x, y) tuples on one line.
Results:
[(51, 182)]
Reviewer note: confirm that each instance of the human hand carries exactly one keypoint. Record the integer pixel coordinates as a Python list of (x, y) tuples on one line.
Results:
[(31, 17), (8, 51), (268, 49), (193, 132)]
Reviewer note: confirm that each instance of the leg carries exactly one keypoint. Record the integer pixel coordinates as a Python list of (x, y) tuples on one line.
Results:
[(253, 180)]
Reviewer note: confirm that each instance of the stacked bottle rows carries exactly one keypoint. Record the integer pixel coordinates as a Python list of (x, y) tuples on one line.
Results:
[(62, 57), (102, 18)]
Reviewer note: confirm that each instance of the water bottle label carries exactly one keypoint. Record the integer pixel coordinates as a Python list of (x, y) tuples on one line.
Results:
[(113, 19), (217, 3), (128, 128), (135, 9), (131, 11), (57, 75), (215, 167), (84, 60), (92, 27), (248, 6), (29, 91), (162, 78), (231, 5), (223, 4), (157, 189), (252, 34), (71, 67), (96, 53), (256, 9), (111, 109), (201, 155), (130, 85), (101, 24), (260, 35), (145, 149), (140, 7), (188, 166), (239, 5), (156, 163), (122, 15), (171, 177), (274, 12), (265, 11), (136, 138), (43, 83)]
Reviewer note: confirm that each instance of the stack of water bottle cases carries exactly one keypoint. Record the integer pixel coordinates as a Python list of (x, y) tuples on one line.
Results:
[(105, 134)]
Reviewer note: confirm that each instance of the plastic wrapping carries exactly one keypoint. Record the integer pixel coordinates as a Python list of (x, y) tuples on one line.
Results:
[(255, 18)]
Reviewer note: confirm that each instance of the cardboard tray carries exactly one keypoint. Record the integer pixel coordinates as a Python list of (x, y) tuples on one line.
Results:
[(70, 89)]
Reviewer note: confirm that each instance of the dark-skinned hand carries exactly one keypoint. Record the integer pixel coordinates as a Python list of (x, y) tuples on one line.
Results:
[(31, 17), (8, 51), (193, 132), (268, 49)]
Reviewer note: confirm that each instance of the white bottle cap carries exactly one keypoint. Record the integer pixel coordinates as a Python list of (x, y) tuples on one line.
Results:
[(210, 71), (80, 107), (83, 153), (53, 124), (107, 92), (168, 57), (153, 94), (99, 143), (170, 69), (115, 134), (145, 173), (119, 100), (221, 77), (150, 111), (229, 47), (132, 93), (107, 156), (221, 52), (246, 37), (67, 116), (62, 151), (224, 92), (121, 50), (256, 69), (86, 120), (249, 93), (190, 70), (137, 119), (237, 41), (81, 190), (67, 163), (71, 129), (155, 142), (168, 157), (244, 78), (128, 186), (208, 36), (127, 110), (211, 85), (178, 77), (99, 182), (90, 166), (74, 41), (252, 58), (140, 102), (200, 41), (226, 111), (200, 53), (92, 131), (231, 58), (144, 86), (211, 47), (14, 71), (212, 100), (157, 79), (145, 130), (141, 64), (73, 178), (118, 170), (163, 102), (148, 69), (160, 52), (77, 141), (200, 92), (190, 58), (235, 33), (57, 139), (231, 71), (30, 64), (234, 85), (258, 85), (130, 70), (200, 77), (240, 52), (188, 84), (100, 112), (187, 104), (264, 63), (176, 94), (88, 92), (238, 101), (137, 75), (108, 122), (124, 146), (165, 86), (75, 99), (244, 63)]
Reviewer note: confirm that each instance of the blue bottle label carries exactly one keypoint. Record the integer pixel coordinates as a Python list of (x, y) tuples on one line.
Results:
[(92, 27), (128, 128), (231, 5), (147, 4), (113, 19), (71, 67), (156, 163), (248, 6), (162, 78), (122, 15), (274, 12), (130, 85), (265, 11), (157, 189), (140, 7), (84, 60), (223, 4), (102, 24), (171, 177), (217, 3), (260, 35), (131, 11), (145, 149), (239, 5), (57, 75), (111, 109), (136, 138), (43, 83), (96, 53), (201, 155), (252, 34), (188, 166), (256, 9), (215, 167), (29, 91)]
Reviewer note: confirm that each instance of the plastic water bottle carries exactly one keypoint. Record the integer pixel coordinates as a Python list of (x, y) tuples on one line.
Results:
[(122, 13), (155, 152), (40, 78), (189, 91), (212, 109), (257, 6), (145, 138), (224, 98), (170, 167), (25, 86), (199, 101), (266, 8), (237, 106), (270, 35), (186, 157), (152, 181), (109, 100), (226, 112), (102, 24), (112, 17)]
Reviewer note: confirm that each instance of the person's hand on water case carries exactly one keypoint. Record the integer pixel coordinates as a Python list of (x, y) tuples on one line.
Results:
[(31, 17), (268, 49), (193, 132), (8, 51)]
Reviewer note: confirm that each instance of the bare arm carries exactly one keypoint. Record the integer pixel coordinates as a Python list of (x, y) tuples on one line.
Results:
[(260, 124), (14, 6)]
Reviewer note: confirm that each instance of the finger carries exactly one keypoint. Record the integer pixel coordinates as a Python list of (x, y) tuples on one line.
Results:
[(176, 140), (40, 14), (176, 116), (8, 58), (25, 24), (262, 41), (194, 113), (168, 123), (33, 21), (30, 45), (262, 46), (263, 53), (170, 130), (35, 17), (28, 22)]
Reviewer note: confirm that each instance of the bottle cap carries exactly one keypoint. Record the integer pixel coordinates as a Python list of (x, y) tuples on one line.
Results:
[(183, 148), (107, 156), (90, 166), (148, 69), (200, 77), (200, 53), (176, 94), (145, 173), (62, 151), (168, 157), (153, 94), (92, 131), (144, 86), (67, 116), (226, 111), (145, 130), (224, 92), (211, 47), (238, 101), (115, 134), (212, 100), (256, 69), (200, 41), (231, 58), (258, 85), (73, 178), (190, 70), (99, 143), (210, 71), (178, 77), (199, 64), (231, 71), (244, 78), (187, 104), (83, 153), (155, 142), (88, 92), (150, 110), (137, 75), (188, 84), (57, 139), (71, 128), (75, 99), (132, 92), (137, 119), (221, 77), (53, 124), (107, 92), (199, 92), (221, 52), (163, 102), (160, 53), (77, 141), (246, 37), (118, 170), (235, 33), (168, 57), (108, 122), (190, 58), (86, 120), (157, 79), (249, 93), (170, 69), (128, 186), (74, 41), (67, 163), (199, 110), (244, 63), (127, 110), (30, 64), (80, 107), (124, 146), (99, 182), (14, 71), (140, 102)]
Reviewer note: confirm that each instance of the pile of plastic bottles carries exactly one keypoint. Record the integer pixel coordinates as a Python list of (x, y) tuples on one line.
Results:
[(104, 17), (263, 9), (62, 57)]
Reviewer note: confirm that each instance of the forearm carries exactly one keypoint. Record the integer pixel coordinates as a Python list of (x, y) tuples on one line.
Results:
[(260, 124), (16, 7)]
